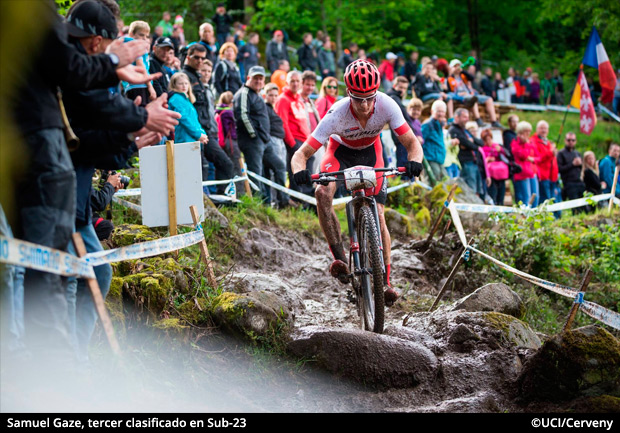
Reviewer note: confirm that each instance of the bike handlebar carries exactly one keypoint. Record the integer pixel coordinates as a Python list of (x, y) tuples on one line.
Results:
[(331, 176)]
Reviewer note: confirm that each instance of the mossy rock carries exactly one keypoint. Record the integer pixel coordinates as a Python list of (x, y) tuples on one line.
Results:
[(423, 217), (257, 314), (129, 234), (578, 363), (398, 224), (514, 330), (173, 326), (598, 404), (195, 311), (114, 304), (437, 196), (152, 289)]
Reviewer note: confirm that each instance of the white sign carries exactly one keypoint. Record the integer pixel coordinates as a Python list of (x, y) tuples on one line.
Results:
[(154, 182)]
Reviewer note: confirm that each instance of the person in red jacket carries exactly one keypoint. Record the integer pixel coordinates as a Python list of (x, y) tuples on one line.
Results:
[(547, 166), (526, 155), (292, 111)]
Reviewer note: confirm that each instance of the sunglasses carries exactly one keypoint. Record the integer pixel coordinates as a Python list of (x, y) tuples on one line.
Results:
[(571, 139), (331, 87), (202, 59), (361, 100)]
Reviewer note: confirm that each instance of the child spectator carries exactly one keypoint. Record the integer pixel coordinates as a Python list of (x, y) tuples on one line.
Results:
[(496, 167), (181, 99), (227, 131), (140, 30)]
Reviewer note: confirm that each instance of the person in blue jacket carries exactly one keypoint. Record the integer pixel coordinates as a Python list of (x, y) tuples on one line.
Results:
[(607, 167), (181, 99)]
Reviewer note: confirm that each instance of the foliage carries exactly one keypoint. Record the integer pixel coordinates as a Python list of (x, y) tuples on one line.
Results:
[(559, 251)]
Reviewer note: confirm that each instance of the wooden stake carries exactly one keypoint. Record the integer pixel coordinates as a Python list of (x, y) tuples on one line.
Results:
[(172, 193), (532, 198), (573, 311), (441, 214), (445, 230), (613, 189), (248, 190), (449, 279), (204, 250), (95, 292)]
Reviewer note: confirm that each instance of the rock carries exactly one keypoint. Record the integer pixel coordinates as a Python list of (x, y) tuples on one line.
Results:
[(373, 359), (129, 234), (266, 247), (399, 225), (247, 282), (214, 216), (257, 314), (482, 402), (496, 297), (578, 363), (461, 334)]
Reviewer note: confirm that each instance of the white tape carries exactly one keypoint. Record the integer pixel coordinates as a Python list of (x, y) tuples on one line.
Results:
[(564, 205), (606, 316), (456, 220), (146, 249), (32, 256), (133, 192), (290, 192), (127, 204), (576, 203)]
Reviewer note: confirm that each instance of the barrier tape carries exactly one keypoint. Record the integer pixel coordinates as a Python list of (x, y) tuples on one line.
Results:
[(127, 204), (146, 249), (32, 256), (602, 314), (133, 192), (485, 208)]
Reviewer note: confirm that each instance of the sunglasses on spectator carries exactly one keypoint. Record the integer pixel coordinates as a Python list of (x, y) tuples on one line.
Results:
[(571, 139), (331, 87), (361, 100), (202, 59)]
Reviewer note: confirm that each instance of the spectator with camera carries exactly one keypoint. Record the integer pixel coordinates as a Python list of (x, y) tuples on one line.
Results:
[(100, 199)]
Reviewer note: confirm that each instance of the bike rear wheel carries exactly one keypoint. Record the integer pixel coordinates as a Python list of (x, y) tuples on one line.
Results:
[(371, 298)]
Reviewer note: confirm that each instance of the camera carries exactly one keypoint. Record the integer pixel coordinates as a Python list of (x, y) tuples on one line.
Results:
[(125, 180)]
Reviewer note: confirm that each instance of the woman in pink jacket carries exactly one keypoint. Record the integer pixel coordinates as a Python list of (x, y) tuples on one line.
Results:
[(526, 155)]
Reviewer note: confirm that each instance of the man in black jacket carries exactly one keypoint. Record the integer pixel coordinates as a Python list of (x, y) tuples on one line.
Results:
[(212, 152), (161, 49), (569, 167), (45, 194), (306, 54), (469, 154), (252, 121)]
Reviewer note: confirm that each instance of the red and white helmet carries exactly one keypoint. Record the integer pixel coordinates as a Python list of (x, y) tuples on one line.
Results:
[(362, 76)]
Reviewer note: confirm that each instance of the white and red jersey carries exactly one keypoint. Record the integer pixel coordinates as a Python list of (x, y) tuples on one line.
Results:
[(341, 125)]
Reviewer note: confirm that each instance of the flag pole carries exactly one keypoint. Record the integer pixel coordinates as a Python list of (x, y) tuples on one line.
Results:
[(568, 107)]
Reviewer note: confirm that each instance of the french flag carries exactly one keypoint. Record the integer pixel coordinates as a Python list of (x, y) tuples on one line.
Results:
[(596, 57)]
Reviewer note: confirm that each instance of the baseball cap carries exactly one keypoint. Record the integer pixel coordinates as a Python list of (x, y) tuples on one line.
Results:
[(391, 56), (164, 42), (455, 62), (91, 18), (256, 70)]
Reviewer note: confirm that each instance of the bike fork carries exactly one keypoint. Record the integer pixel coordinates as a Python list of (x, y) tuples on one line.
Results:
[(354, 255)]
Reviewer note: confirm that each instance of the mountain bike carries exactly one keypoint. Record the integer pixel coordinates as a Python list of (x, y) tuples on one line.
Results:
[(366, 246)]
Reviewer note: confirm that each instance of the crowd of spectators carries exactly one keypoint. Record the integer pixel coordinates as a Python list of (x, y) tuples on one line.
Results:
[(127, 87)]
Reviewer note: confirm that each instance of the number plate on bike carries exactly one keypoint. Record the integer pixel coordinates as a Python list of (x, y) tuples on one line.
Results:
[(360, 177)]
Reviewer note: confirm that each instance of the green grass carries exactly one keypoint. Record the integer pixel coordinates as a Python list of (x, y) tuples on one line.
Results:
[(603, 133)]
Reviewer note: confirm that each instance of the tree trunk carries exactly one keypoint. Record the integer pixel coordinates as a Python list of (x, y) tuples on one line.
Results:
[(248, 5)]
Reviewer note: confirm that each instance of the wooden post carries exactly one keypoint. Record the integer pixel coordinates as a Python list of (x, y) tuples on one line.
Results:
[(532, 198), (449, 279), (95, 292), (204, 250), (244, 171), (441, 214), (573, 311), (445, 230), (613, 189), (172, 193)]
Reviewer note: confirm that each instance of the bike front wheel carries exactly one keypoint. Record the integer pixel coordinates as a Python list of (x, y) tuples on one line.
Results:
[(371, 291)]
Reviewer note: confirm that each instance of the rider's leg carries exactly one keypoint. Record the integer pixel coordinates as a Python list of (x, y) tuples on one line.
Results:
[(387, 241), (328, 220)]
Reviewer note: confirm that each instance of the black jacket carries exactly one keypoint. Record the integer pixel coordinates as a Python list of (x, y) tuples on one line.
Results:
[(226, 77), (55, 63), (424, 85), (468, 145), (398, 98), (274, 53), (251, 115), (276, 126), (206, 113), (570, 173), (307, 57), (160, 84)]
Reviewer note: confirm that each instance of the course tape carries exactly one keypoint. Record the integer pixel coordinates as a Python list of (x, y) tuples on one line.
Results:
[(127, 204), (32, 256), (133, 192), (485, 208), (604, 315), (146, 249)]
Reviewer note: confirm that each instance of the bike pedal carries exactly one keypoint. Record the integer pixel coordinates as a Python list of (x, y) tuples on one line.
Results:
[(351, 297)]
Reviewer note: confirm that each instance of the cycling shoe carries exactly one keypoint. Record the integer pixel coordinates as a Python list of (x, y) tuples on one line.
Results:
[(340, 270), (390, 295)]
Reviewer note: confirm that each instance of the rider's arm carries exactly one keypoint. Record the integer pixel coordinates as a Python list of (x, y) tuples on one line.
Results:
[(301, 157), (413, 146)]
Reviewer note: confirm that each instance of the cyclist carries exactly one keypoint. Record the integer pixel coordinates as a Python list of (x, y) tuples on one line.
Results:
[(352, 131)]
